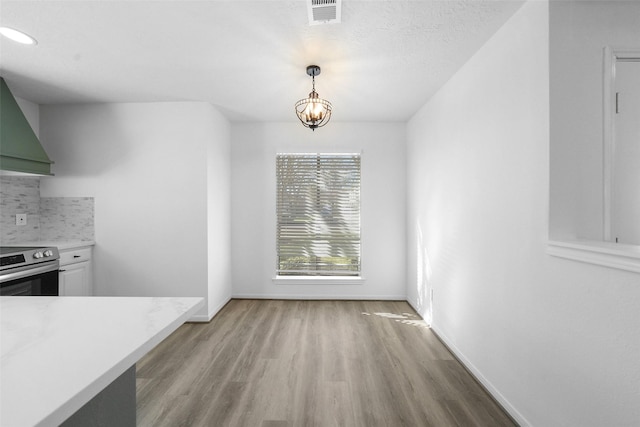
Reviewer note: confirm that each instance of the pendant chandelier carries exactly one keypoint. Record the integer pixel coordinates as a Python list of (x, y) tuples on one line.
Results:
[(313, 112)]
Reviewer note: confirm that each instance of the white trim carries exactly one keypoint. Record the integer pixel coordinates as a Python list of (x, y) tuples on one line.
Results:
[(205, 318), (490, 388), (322, 297), (414, 305), (318, 280), (607, 254), (611, 56), (608, 97)]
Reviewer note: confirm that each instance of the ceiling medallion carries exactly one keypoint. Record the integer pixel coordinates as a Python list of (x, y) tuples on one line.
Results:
[(313, 112)]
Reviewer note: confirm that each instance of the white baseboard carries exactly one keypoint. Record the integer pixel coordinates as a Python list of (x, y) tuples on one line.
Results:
[(506, 405), (202, 318), (323, 297), (415, 307)]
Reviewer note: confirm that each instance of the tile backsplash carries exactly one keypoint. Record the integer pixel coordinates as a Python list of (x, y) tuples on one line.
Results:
[(48, 218), (19, 195), (66, 218)]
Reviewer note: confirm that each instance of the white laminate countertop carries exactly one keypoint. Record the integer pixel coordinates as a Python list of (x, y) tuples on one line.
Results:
[(57, 353)]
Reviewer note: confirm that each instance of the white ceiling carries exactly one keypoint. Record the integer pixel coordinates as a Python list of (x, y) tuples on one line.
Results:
[(248, 58)]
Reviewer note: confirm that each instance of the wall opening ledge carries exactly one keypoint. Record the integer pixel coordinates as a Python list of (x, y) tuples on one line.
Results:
[(608, 254)]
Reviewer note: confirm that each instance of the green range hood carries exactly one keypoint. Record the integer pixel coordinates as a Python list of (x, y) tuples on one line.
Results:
[(20, 149)]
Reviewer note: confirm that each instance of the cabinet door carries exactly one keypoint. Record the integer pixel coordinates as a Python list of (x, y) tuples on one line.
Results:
[(74, 279)]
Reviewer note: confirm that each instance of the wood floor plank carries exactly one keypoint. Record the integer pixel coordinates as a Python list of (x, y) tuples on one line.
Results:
[(309, 363)]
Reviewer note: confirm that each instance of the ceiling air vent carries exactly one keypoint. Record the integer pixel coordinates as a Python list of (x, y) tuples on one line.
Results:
[(324, 11)]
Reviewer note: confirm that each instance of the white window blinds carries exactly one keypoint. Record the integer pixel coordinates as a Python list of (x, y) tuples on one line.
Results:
[(318, 214)]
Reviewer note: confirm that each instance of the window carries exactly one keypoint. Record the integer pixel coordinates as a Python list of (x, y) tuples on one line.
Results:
[(318, 214)]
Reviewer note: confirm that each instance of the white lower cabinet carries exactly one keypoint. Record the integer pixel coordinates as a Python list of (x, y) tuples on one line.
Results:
[(74, 280), (76, 273)]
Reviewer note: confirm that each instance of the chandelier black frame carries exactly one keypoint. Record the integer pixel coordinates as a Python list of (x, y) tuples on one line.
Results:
[(313, 112)]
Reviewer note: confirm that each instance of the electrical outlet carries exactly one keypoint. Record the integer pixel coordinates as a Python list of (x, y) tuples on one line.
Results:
[(21, 219)]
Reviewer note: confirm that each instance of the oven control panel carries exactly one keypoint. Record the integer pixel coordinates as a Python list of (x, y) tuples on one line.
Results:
[(43, 254), (12, 257), (11, 260)]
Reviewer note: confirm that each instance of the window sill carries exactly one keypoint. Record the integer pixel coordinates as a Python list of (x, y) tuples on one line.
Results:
[(608, 254), (317, 280)]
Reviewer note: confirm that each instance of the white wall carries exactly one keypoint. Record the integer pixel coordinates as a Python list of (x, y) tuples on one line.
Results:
[(31, 112), (556, 341), (579, 31), (219, 213), (159, 173), (253, 189)]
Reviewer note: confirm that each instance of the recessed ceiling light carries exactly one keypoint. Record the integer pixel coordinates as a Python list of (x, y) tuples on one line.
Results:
[(17, 36)]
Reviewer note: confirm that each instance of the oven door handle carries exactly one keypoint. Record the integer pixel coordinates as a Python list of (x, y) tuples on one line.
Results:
[(30, 272)]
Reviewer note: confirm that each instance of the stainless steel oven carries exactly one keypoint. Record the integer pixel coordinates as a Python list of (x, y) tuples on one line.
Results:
[(29, 271)]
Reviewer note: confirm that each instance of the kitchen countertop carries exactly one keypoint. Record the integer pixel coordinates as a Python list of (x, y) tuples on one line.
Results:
[(57, 353), (60, 244)]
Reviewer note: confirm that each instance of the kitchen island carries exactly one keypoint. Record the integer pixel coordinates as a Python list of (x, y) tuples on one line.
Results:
[(72, 359)]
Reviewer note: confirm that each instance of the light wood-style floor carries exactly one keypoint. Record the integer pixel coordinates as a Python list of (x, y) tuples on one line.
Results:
[(264, 363)]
